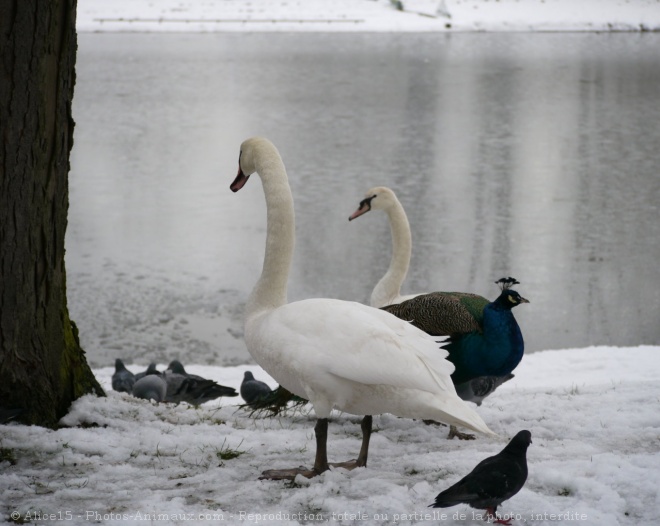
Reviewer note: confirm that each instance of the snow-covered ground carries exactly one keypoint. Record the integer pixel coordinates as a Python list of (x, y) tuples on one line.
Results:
[(595, 457), (368, 15)]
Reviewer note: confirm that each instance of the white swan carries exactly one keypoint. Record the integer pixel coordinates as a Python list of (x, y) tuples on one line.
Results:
[(337, 354), (388, 290)]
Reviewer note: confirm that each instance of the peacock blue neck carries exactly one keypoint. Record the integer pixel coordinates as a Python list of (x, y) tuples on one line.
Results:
[(495, 352)]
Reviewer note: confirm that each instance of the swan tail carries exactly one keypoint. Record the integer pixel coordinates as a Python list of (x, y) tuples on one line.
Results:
[(458, 413)]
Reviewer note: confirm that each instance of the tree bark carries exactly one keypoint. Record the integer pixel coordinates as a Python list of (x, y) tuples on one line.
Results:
[(42, 366)]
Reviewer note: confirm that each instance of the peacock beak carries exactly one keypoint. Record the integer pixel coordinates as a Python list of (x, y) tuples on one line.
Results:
[(523, 300)]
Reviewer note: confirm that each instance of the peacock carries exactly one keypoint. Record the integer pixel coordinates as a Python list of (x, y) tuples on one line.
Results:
[(484, 337), (485, 342)]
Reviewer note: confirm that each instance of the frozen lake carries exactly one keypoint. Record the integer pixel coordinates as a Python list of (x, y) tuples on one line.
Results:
[(530, 155)]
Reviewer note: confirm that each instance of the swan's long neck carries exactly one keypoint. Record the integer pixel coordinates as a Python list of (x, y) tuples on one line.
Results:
[(270, 291), (389, 287)]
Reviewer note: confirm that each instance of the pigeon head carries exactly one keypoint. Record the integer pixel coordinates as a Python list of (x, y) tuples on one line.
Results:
[(520, 442), (176, 367), (119, 365)]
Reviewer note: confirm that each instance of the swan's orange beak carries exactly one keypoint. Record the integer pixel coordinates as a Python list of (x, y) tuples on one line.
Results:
[(361, 210), (240, 181), (365, 206)]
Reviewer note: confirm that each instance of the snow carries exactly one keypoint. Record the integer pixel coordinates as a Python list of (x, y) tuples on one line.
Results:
[(368, 15), (593, 414)]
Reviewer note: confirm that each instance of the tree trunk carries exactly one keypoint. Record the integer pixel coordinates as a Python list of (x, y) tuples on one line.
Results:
[(42, 366)]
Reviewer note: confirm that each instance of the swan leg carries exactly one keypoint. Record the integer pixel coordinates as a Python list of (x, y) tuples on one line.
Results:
[(366, 426), (320, 460), (321, 433), (361, 461), (454, 432)]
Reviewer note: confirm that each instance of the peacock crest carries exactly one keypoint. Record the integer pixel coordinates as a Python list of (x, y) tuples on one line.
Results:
[(507, 283)]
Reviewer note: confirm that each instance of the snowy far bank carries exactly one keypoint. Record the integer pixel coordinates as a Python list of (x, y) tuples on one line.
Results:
[(368, 15)]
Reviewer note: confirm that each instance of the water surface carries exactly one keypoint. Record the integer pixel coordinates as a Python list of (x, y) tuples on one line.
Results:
[(530, 155)]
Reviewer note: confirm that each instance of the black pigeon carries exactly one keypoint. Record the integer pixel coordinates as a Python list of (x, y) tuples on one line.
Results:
[(253, 390), (494, 480), (122, 379)]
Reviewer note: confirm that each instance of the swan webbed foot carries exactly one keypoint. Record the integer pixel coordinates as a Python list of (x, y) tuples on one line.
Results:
[(455, 433), (291, 474), (349, 465), (288, 474)]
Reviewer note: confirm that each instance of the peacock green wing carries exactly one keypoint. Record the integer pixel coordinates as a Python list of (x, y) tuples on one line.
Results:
[(442, 313), (474, 305)]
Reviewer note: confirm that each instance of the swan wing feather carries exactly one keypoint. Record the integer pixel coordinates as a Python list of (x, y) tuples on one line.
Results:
[(327, 336)]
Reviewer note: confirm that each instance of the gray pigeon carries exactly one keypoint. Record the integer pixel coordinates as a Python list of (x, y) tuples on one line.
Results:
[(477, 389), (151, 387), (494, 480), (183, 388), (150, 370), (177, 367), (253, 390), (122, 379)]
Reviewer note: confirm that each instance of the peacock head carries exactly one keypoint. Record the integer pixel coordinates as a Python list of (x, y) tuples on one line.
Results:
[(509, 298)]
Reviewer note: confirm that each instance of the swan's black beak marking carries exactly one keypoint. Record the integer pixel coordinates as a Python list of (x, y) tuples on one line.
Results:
[(365, 206)]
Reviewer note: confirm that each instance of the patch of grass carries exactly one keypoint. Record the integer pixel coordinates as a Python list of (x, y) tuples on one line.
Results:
[(227, 453), (574, 390), (301, 450)]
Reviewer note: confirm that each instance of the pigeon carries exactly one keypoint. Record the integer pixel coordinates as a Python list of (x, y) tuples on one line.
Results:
[(151, 387), (193, 389), (253, 390), (494, 480), (122, 379), (477, 389), (150, 370), (177, 367)]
